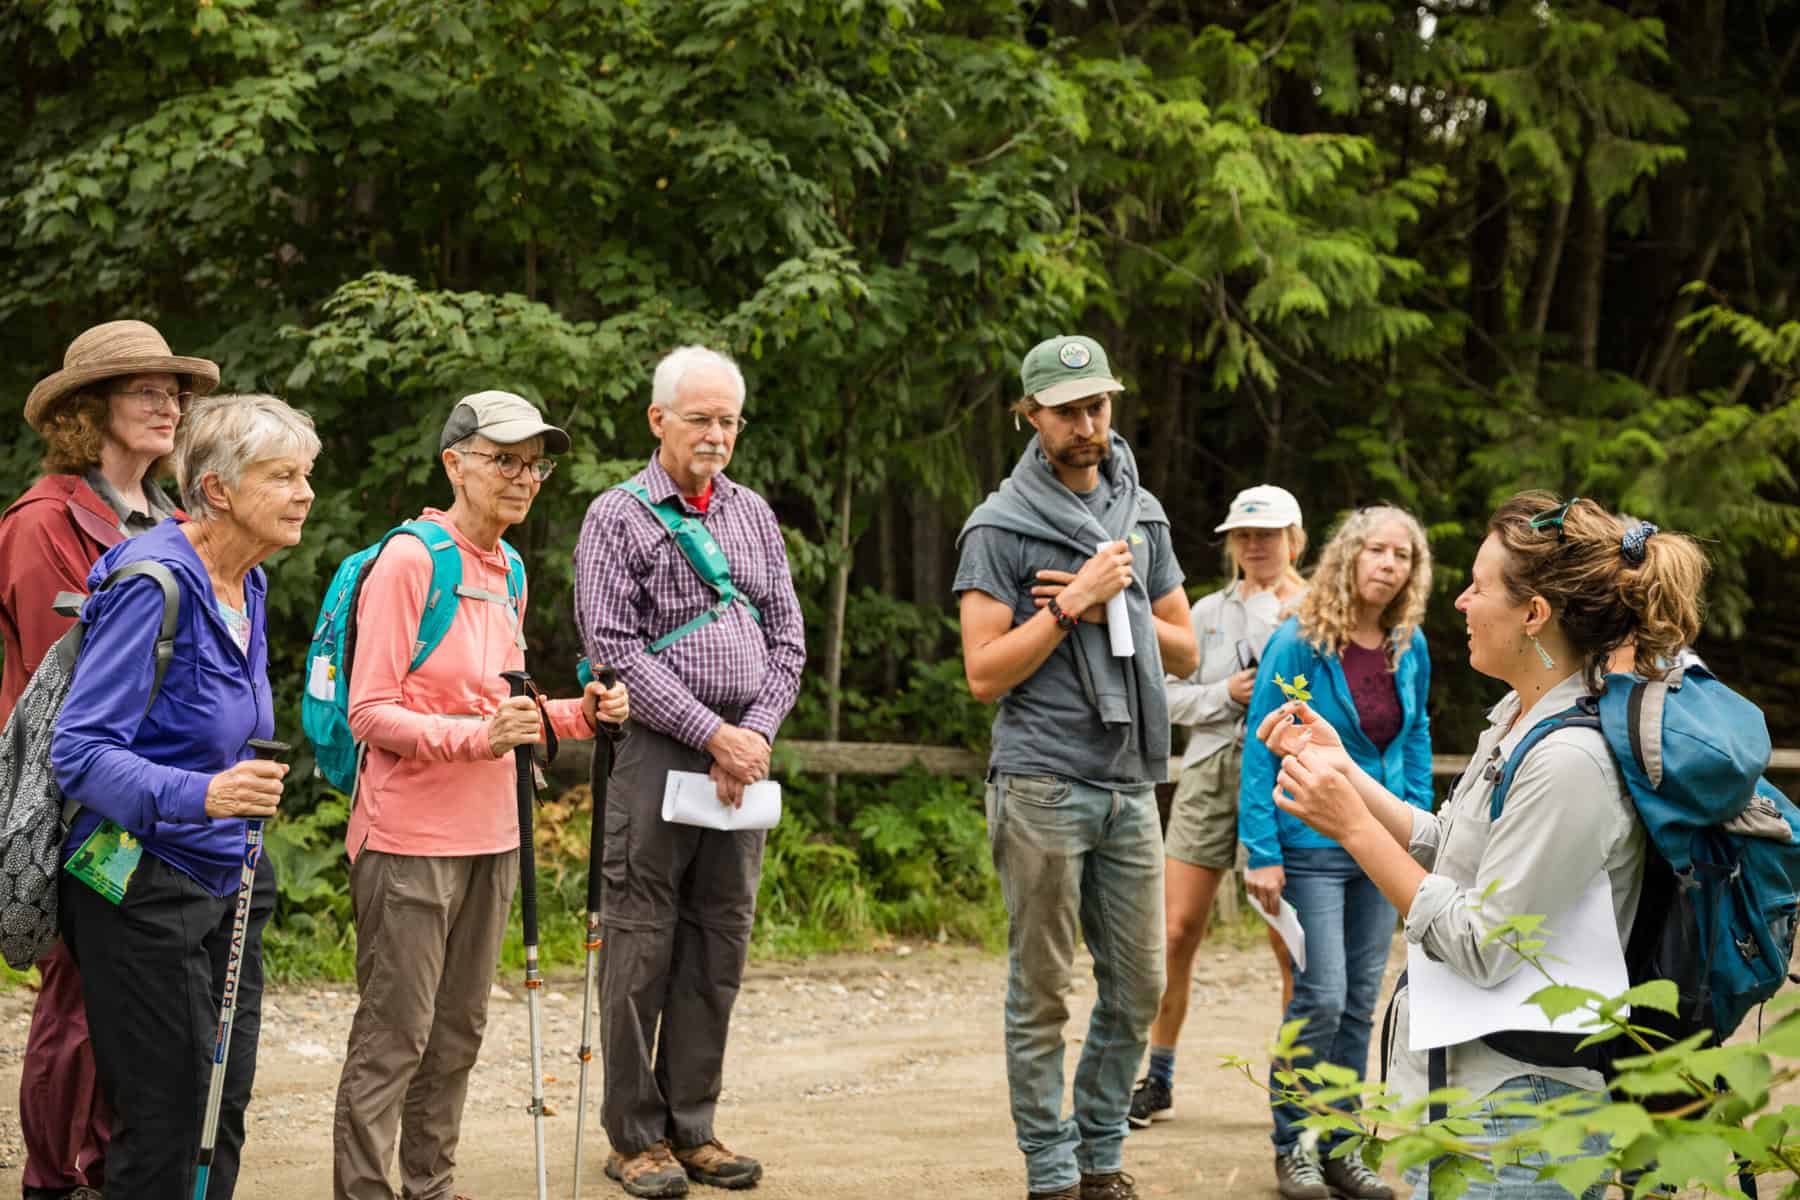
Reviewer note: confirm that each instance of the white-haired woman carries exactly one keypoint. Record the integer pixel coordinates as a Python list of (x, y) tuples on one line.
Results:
[(434, 835), (1264, 539), (1356, 643), (108, 421), (171, 778)]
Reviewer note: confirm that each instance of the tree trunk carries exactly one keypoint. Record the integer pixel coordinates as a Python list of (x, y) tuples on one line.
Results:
[(1487, 268), (840, 598), (887, 545)]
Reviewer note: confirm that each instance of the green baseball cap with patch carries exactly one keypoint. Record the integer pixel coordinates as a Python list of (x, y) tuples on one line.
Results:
[(1066, 368)]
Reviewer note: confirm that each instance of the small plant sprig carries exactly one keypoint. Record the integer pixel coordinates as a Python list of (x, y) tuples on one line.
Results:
[(1295, 690)]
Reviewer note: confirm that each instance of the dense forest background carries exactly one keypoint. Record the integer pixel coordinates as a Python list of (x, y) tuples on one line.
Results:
[(1428, 253)]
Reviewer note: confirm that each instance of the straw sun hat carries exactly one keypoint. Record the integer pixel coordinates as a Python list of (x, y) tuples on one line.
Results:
[(111, 350)]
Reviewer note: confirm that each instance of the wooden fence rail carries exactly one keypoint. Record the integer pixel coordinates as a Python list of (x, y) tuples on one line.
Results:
[(891, 758)]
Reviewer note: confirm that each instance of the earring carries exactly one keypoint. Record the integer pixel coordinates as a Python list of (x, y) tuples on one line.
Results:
[(1016, 425), (1543, 654)]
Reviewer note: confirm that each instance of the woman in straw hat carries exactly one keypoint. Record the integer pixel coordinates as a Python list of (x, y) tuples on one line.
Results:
[(108, 418)]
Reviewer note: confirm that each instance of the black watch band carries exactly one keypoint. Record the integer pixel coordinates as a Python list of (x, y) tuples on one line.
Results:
[(1064, 621)]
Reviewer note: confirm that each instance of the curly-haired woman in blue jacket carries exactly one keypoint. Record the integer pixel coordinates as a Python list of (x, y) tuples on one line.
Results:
[(1356, 642)]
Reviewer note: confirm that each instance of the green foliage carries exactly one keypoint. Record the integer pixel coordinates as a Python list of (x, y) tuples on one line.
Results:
[(1714, 1111)]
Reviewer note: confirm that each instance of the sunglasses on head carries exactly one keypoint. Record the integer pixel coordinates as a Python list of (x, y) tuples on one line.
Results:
[(1555, 519)]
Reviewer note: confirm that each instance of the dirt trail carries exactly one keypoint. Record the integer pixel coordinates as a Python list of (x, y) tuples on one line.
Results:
[(867, 1076), (862, 1077)]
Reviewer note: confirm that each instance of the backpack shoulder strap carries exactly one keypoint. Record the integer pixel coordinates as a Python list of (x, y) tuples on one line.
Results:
[(1581, 716), (703, 554), (165, 636), (440, 595)]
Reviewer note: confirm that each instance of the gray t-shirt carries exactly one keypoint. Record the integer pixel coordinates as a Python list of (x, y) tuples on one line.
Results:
[(1045, 725)]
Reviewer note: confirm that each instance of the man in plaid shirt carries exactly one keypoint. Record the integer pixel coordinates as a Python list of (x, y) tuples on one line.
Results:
[(678, 901)]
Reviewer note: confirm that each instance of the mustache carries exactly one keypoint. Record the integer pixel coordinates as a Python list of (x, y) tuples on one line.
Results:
[(709, 448)]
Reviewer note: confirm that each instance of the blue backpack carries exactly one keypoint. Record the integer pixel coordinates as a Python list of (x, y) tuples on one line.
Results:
[(1717, 913), (325, 707)]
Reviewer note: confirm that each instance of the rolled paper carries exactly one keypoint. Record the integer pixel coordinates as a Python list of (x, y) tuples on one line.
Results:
[(1118, 621)]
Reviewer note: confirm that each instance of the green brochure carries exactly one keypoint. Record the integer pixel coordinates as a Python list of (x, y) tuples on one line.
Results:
[(106, 860)]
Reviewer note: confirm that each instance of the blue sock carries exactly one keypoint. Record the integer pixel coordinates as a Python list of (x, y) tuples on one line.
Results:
[(1162, 1065)]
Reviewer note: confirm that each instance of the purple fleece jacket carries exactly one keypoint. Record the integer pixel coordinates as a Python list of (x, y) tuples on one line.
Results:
[(149, 771)]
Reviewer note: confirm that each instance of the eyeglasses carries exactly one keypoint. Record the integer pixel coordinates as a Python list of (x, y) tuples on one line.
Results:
[(509, 465), (1555, 517), (155, 399), (699, 424)]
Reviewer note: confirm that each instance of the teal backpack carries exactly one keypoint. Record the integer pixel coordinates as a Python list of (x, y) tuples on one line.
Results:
[(325, 706), (703, 554)]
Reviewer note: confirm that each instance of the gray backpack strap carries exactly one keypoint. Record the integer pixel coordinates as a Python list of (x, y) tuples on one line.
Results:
[(70, 644)]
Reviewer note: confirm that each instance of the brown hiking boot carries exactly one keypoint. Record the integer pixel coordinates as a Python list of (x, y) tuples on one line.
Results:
[(710, 1162), (1072, 1192), (651, 1172), (1112, 1185)]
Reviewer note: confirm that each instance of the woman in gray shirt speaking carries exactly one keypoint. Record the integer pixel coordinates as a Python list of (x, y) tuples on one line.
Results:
[(1556, 590)]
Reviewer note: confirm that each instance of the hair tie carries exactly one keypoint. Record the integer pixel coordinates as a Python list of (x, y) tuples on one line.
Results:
[(1632, 544)]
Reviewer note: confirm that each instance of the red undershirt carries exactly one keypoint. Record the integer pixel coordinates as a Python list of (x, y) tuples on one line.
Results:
[(703, 499)]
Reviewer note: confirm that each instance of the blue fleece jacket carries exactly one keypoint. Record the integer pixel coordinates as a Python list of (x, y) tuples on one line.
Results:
[(149, 771), (1404, 768)]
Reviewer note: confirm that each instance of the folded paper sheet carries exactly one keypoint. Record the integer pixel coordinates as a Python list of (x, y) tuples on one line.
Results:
[(1287, 924), (1582, 950), (690, 798)]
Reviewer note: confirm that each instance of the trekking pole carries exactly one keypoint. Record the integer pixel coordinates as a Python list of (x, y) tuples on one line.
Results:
[(519, 682), (602, 770), (234, 966)]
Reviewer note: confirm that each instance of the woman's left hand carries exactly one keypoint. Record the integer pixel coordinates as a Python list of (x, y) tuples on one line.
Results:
[(1312, 788), (603, 705)]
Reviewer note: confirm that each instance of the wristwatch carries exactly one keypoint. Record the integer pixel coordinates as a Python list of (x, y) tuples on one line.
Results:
[(1064, 621)]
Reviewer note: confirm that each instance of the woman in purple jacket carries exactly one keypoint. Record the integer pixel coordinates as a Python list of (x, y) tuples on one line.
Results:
[(174, 782)]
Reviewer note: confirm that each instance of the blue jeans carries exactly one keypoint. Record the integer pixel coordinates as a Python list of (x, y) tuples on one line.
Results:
[(1071, 855), (1518, 1180), (1348, 925)]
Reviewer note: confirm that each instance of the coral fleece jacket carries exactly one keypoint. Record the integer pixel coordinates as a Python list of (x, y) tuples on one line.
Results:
[(430, 784)]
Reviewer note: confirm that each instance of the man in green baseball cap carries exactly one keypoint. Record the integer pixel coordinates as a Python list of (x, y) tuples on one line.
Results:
[(1081, 737)]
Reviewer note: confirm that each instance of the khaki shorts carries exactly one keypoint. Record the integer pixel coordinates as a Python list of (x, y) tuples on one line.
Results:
[(1203, 817)]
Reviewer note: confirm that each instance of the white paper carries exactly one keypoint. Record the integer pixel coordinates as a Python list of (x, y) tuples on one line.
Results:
[(690, 798), (1118, 621), (321, 679), (1581, 950), (1287, 924)]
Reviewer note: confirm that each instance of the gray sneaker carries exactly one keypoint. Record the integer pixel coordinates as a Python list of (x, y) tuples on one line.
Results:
[(1298, 1176), (1352, 1179)]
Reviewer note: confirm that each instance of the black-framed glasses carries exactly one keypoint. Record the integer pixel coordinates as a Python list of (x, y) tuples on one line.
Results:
[(509, 465), (1555, 518), (155, 399)]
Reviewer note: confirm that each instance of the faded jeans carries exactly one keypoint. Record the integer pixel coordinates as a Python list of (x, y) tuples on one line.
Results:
[(1348, 926), (1072, 855), (1518, 1180)]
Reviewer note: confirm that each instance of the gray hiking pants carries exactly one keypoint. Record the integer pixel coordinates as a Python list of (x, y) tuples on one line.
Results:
[(677, 903)]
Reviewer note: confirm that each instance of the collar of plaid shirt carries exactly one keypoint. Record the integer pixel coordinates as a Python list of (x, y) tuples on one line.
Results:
[(661, 485)]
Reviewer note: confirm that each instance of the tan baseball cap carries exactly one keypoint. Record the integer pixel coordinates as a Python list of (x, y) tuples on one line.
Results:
[(501, 418)]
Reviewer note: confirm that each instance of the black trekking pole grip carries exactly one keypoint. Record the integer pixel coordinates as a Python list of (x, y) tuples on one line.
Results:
[(518, 681), (602, 771), (267, 750)]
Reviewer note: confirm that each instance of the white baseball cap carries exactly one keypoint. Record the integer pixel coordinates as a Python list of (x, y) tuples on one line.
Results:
[(1264, 506)]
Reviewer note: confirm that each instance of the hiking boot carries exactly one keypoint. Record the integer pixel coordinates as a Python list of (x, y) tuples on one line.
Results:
[(1072, 1192), (710, 1162), (1111, 1185), (1352, 1179), (651, 1172), (1298, 1177), (1153, 1100)]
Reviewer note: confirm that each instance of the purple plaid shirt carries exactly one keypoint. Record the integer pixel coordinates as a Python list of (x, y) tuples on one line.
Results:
[(632, 585)]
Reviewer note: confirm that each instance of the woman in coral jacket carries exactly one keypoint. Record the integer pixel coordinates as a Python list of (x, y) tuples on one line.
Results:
[(108, 419)]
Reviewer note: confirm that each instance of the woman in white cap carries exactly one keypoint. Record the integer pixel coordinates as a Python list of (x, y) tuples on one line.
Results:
[(1264, 538), (434, 833), (108, 420)]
